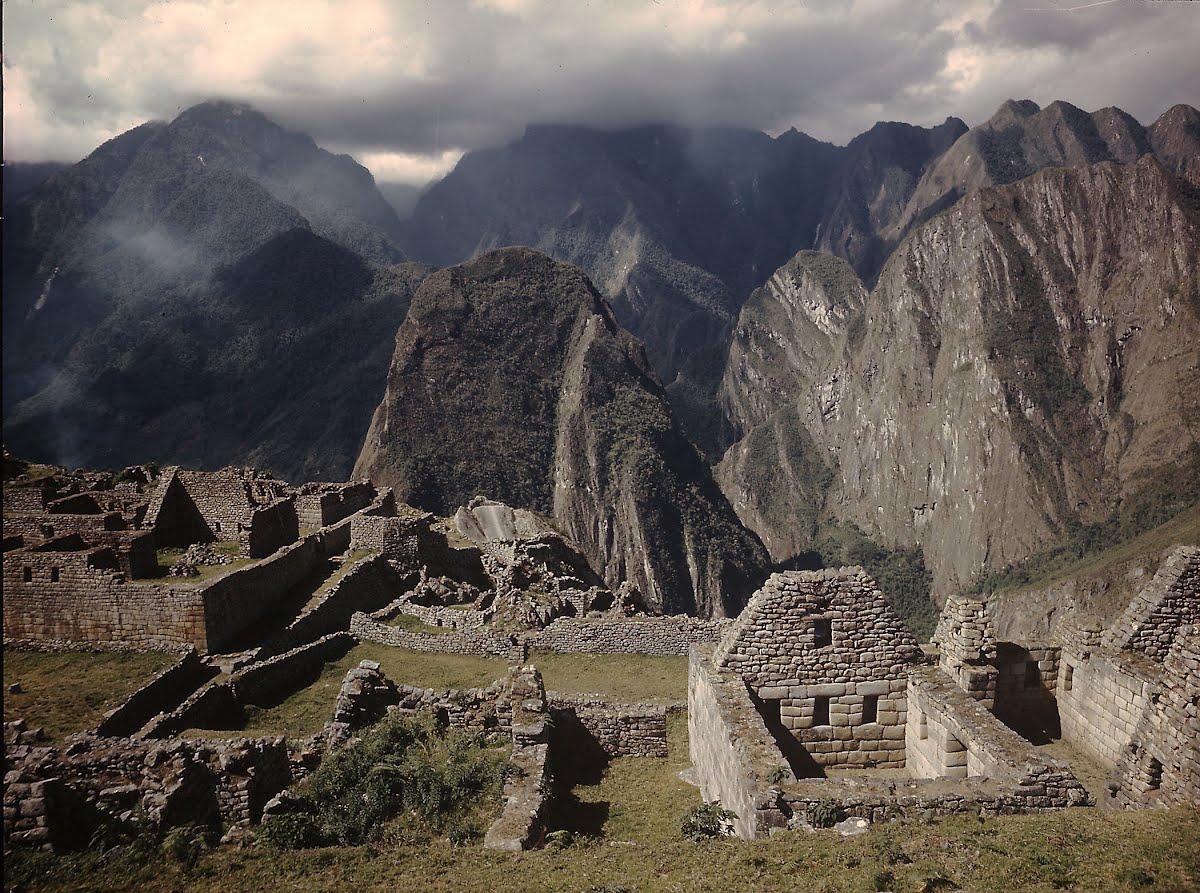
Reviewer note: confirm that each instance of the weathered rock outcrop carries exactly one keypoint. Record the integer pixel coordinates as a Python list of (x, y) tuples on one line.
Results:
[(511, 377), (1017, 141), (1028, 358)]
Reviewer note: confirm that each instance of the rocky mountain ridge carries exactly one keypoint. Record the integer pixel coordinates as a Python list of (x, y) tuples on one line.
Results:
[(566, 418), (1027, 360)]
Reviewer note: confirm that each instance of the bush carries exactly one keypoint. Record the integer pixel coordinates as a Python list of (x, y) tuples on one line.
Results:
[(406, 765), (293, 831), (826, 814), (708, 820)]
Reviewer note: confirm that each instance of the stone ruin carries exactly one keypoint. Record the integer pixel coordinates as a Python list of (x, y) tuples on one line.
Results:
[(815, 693), (82, 573), (818, 675)]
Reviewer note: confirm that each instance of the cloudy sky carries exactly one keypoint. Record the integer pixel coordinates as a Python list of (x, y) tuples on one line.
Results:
[(407, 86)]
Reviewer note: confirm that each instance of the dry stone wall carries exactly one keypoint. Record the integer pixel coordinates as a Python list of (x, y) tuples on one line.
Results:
[(618, 730), (159, 696), (56, 797), (83, 596), (321, 504), (1102, 697), (672, 635), (268, 528), (730, 747), (368, 584), (827, 655), (1170, 600), (465, 641)]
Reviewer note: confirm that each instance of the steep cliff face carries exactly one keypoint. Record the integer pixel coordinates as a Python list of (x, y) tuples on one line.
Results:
[(1027, 358), (511, 377), (787, 333)]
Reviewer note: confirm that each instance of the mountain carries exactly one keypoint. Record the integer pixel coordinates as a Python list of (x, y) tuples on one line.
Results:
[(875, 178), (1026, 365), (1017, 141), (174, 297), (673, 225), (512, 379), (21, 176), (1175, 137)]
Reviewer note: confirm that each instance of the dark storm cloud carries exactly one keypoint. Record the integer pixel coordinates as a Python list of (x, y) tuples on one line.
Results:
[(408, 86)]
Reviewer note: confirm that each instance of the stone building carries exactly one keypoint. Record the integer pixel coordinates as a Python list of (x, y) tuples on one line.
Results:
[(232, 505), (1128, 694), (826, 658)]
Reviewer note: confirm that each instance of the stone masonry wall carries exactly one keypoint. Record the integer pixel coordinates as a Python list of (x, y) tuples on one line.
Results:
[(729, 745), (1171, 599), (320, 504), (467, 641), (827, 652), (160, 695), (268, 528), (397, 538), (1102, 697), (652, 635), (55, 798), (619, 730), (1160, 765), (236, 600), (369, 584), (64, 596)]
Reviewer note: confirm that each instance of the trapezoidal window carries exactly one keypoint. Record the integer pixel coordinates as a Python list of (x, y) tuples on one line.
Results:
[(27, 574), (1068, 676), (53, 575), (871, 708), (822, 632), (820, 711)]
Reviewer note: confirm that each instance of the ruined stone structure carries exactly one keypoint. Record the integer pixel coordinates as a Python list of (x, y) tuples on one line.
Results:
[(1128, 695), (321, 504), (817, 673), (235, 504), (57, 797), (827, 657)]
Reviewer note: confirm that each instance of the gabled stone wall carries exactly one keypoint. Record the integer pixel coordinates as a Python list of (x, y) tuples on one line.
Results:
[(1170, 600), (828, 657)]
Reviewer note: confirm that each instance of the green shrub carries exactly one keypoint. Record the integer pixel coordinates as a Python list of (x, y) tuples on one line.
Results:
[(406, 765), (293, 831), (826, 814), (708, 820), (187, 843)]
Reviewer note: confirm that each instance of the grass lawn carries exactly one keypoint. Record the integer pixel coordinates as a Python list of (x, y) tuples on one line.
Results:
[(1078, 850), (625, 677), (65, 693), (637, 800)]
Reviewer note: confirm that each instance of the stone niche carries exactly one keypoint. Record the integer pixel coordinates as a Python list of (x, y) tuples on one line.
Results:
[(826, 660)]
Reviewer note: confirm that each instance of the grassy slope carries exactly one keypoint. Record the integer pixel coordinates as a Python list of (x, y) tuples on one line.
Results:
[(65, 693), (622, 677), (1184, 528), (637, 808), (629, 677)]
